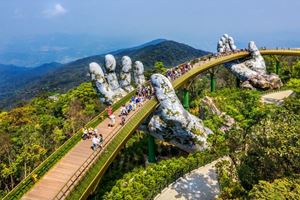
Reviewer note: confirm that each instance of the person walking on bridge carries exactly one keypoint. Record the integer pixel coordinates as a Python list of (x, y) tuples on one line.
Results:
[(109, 111), (110, 116), (95, 142)]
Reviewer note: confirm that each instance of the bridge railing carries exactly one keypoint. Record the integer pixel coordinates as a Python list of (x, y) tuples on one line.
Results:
[(18, 191), (92, 177), (64, 191)]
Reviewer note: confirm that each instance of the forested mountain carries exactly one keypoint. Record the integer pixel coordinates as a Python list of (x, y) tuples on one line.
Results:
[(67, 76), (12, 77)]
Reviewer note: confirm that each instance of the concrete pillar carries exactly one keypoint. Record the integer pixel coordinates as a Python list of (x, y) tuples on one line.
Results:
[(212, 82), (186, 99), (151, 149)]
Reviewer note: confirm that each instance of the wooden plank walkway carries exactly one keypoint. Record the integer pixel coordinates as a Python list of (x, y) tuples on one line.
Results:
[(55, 179)]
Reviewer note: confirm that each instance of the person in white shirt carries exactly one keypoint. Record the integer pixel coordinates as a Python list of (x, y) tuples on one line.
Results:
[(112, 121), (95, 142)]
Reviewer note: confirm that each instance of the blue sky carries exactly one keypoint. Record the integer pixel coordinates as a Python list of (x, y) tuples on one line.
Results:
[(197, 23)]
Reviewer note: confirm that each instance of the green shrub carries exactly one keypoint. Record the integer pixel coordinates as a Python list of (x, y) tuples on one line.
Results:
[(146, 183), (228, 180), (285, 188)]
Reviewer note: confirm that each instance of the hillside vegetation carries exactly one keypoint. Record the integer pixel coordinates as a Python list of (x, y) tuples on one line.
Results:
[(14, 78), (30, 133)]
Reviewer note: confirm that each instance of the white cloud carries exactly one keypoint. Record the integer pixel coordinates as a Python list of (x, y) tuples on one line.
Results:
[(55, 11)]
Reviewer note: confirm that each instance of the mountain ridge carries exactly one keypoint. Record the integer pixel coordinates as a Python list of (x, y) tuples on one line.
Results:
[(67, 76)]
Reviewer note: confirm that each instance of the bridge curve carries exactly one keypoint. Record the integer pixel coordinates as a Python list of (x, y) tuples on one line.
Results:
[(104, 159), (153, 103)]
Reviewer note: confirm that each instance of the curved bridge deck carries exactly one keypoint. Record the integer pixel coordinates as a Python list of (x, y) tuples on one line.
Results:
[(54, 184)]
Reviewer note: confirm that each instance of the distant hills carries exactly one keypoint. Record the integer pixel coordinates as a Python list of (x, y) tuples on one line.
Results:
[(13, 79), (35, 50), (20, 84)]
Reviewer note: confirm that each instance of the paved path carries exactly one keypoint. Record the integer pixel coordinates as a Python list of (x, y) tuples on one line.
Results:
[(51, 183), (201, 183), (276, 97)]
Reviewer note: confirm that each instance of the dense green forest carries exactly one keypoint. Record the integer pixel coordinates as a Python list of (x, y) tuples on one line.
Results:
[(28, 134), (265, 150)]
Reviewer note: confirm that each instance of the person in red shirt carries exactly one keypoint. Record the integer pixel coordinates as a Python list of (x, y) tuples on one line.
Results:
[(109, 111)]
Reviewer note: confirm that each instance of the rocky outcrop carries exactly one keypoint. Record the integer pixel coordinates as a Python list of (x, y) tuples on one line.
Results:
[(172, 123), (251, 71), (228, 121)]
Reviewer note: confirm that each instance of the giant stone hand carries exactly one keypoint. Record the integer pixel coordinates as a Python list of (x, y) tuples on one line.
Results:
[(110, 63), (139, 77), (251, 71), (97, 75), (125, 74), (172, 123), (107, 84)]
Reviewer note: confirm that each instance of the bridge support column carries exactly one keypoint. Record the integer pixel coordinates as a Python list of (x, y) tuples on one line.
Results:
[(237, 83), (151, 149), (212, 82), (277, 67), (186, 99)]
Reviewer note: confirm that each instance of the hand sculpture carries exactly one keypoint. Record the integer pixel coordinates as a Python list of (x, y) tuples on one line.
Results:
[(125, 74), (110, 63), (139, 77), (251, 71), (226, 44), (172, 123), (108, 84), (107, 95)]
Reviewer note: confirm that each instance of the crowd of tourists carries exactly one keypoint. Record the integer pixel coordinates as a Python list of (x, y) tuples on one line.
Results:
[(178, 71), (97, 139), (277, 48), (136, 101)]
